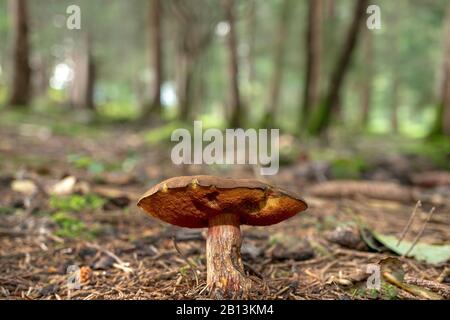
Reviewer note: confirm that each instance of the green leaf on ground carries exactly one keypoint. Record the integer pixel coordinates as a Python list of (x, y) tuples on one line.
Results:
[(430, 253)]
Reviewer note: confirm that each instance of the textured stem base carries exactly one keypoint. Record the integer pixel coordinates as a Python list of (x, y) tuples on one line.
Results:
[(226, 278)]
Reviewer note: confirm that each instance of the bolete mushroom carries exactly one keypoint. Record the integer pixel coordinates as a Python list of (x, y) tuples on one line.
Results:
[(221, 205)]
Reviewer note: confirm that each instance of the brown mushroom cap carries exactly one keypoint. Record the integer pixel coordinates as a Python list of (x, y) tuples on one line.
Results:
[(190, 201)]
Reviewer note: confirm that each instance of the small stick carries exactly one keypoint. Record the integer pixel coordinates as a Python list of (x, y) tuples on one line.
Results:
[(192, 267), (419, 235), (120, 263), (408, 225)]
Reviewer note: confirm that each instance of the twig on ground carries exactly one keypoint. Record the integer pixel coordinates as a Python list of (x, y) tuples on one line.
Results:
[(192, 267), (419, 235), (408, 224), (124, 266)]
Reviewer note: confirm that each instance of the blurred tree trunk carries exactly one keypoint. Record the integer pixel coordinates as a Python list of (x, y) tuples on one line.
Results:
[(395, 101), (252, 29), (332, 98), (21, 70), (156, 56), (366, 92), (184, 87), (313, 48), (278, 65), (235, 99), (194, 31), (41, 76), (82, 89), (442, 122)]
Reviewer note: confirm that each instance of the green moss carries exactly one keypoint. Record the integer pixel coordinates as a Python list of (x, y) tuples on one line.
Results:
[(162, 134), (348, 168), (76, 202), (6, 210), (68, 226)]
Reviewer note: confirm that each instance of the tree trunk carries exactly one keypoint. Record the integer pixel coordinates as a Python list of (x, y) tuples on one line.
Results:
[(41, 76), (21, 72), (252, 30), (395, 101), (332, 99), (313, 45), (156, 56), (366, 92), (442, 125), (82, 90), (235, 103), (185, 75), (280, 44)]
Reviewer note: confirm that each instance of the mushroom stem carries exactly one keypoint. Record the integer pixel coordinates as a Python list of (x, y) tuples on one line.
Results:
[(225, 269)]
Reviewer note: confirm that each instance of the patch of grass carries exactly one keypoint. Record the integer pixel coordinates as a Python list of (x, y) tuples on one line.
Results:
[(97, 167), (81, 161), (386, 292), (435, 149), (329, 222), (6, 210), (162, 134), (68, 226), (76, 202), (348, 168)]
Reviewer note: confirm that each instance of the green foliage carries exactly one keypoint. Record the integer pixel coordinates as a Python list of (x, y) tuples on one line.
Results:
[(85, 162), (68, 226), (430, 253), (76, 202), (435, 149), (348, 168), (161, 134), (386, 292), (6, 210)]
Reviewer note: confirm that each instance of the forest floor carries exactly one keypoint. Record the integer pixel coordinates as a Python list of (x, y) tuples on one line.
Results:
[(68, 197)]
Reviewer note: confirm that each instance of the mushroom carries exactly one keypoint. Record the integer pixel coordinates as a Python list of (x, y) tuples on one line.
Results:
[(221, 205)]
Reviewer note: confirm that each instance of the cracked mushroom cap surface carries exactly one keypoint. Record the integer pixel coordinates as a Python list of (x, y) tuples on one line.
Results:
[(189, 201)]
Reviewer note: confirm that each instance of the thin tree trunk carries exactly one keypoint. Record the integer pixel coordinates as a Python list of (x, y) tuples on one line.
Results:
[(156, 56), (82, 90), (443, 113), (40, 77), (252, 29), (184, 85), (395, 101), (332, 99), (235, 103), (21, 73), (277, 76), (313, 45), (366, 91)]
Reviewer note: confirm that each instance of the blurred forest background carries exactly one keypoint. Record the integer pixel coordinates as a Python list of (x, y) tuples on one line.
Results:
[(86, 117), (303, 66)]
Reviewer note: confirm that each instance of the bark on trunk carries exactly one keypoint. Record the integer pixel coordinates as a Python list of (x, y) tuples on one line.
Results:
[(313, 45), (394, 103), (233, 70), (21, 72), (443, 115), (332, 99), (280, 44), (156, 56), (226, 278), (82, 90), (252, 29), (184, 85), (366, 91)]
